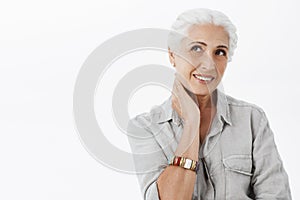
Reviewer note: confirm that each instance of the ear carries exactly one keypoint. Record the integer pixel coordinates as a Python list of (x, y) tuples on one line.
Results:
[(171, 56)]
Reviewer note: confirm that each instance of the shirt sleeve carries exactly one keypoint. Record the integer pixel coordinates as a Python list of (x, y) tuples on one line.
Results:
[(149, 158), (270, 180)]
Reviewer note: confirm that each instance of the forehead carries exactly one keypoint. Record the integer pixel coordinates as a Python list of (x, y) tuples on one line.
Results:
[(208, 33)]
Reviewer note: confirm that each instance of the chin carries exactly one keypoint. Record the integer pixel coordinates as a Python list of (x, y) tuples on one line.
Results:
[(202, 91)]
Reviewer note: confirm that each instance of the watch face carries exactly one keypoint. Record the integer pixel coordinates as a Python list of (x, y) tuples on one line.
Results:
[(187, 164)]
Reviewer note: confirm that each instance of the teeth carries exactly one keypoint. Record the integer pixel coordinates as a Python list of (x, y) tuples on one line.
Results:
[(203, 78)]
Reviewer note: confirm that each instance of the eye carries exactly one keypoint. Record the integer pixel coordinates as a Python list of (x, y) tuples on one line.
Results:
[(221, 52), (196, 48)]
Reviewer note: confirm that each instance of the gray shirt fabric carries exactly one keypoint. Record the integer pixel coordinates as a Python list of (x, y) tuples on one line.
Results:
[(238, 159)]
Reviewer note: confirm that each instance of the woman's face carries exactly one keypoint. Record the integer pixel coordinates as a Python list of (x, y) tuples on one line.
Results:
[(202, 58)]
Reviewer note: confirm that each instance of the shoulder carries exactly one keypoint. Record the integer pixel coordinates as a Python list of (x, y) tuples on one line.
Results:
[(242, 111), (146, 120), (243, 105), (249, 120)]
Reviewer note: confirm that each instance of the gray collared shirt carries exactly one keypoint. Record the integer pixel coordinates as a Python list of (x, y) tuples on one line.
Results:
[(238, 159)]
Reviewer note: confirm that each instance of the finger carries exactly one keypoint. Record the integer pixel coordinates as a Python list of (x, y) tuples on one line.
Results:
[(180, 88), (185, 92), (183, 81), (175, 91), (176, 106)]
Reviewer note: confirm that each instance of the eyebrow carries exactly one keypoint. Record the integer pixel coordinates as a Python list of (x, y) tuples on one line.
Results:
[(219, 46)]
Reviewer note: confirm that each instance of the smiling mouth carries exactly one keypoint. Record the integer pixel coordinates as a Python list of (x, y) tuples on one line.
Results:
[(204, 78)]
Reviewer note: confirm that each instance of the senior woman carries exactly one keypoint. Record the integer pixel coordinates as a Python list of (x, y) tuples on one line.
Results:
[(201, 143)]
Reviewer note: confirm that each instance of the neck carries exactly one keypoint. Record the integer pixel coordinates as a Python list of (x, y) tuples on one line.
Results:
[(206, 101)]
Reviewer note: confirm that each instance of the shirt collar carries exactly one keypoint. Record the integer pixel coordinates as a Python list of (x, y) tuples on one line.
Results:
[(164, 112), (223, 111), (167, 113)]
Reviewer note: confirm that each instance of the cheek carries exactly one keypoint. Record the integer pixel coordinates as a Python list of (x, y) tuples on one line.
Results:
[(181, 71), (184, 68), (221, 68)]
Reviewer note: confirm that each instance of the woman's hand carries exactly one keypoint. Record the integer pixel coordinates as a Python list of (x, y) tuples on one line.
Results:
[(185, 102), (176, 182)]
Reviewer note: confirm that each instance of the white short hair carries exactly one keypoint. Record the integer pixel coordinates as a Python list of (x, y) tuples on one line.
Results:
[(201, 16)]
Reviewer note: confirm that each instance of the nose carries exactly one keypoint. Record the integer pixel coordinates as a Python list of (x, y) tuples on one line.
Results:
[(206, 62)]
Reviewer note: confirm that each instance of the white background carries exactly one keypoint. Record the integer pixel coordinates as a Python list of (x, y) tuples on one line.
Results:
[(42, 47)]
